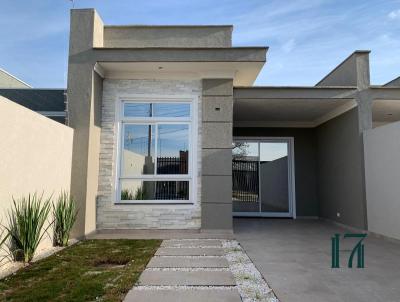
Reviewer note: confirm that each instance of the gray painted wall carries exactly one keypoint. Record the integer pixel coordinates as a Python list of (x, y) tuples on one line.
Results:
[(84, 99), (274, 185), (305, 163), (216, 188), (340, 172), (167, 36), (353, 71), (382, 172)]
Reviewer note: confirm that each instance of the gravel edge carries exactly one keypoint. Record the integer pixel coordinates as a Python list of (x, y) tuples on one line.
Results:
[(250, 283)]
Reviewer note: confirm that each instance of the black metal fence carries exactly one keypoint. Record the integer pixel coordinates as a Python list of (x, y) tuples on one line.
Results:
[(172, 165), (245, 180), (172, 190)]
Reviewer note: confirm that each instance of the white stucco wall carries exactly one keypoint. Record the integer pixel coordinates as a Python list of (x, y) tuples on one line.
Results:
[(35, 154), (382, 172), (135, 216)]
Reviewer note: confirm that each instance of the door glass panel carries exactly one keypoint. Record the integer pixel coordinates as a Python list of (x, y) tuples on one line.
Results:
[(245, 191), (138, 150), (173, 149), (137, 189), (274, 184)]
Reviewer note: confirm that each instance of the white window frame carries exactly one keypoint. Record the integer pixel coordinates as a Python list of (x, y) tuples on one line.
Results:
[(191, 121)]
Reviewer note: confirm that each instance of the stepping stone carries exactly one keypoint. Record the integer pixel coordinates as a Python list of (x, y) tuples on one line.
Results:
[(169, 295), (168, 262), (170, 251), (182, 278), (191, 242)]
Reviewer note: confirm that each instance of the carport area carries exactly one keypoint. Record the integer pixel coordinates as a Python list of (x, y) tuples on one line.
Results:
[(326, 175), (294, 257)]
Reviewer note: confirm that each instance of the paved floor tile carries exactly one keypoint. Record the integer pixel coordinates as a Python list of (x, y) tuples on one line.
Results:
[(167, 251), (203, 295), (184, 262), (184, 278), (194, 243)]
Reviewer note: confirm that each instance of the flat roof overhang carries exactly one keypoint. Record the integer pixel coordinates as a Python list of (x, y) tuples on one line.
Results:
[(300, 107), (170, 54), (243, 64)]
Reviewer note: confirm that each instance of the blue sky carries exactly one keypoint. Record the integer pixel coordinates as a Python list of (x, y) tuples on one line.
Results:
[(307, 38)]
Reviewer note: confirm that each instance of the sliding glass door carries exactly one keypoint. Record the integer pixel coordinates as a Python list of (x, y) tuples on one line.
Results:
[(262, 177)]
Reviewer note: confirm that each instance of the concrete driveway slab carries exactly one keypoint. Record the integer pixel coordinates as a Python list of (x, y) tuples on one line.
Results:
[(185, 262), (295, 258), (202, 295), (191, 278), (192, 243), (171, 251)]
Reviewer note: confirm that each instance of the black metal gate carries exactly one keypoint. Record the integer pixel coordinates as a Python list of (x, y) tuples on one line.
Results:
[(245, 180)]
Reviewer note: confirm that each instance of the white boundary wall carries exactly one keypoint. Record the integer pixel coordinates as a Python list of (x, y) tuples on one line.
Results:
[(35, 154), (382, 173)]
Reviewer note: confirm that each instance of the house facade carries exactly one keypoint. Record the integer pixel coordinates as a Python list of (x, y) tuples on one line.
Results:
[(169, 132)]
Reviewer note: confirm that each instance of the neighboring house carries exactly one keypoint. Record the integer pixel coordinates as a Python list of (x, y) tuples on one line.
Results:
[(48, 102), (157, 110), (7, 80), (393, 83)]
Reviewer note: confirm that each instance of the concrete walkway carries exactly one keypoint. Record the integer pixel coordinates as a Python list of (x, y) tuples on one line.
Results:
[(295, 258), (187, 270)]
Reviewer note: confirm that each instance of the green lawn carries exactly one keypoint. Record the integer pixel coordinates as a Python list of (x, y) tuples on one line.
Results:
[(92, 270)]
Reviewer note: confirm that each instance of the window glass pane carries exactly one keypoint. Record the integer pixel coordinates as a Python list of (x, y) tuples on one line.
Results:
[(156, 110), (138, 150), (172, 149), (134, 189), (137, 109), (171, 110)]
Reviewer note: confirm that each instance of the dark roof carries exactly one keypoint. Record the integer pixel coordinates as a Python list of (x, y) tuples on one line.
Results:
[(36, 99)]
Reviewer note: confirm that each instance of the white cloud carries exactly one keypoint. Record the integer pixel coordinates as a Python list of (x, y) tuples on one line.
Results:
[(289, 46), (395, 14)]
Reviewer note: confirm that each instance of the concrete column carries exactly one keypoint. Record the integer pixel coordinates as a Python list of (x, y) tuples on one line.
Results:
[(364, 101), (84, 109), (217, 111)]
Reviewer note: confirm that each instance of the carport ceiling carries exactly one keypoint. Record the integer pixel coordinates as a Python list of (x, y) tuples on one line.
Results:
[(288, 112), (385, 111)]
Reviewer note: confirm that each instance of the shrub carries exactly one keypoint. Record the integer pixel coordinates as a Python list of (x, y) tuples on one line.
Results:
[(65, 213), (139, 194), (3, 238), (126, 195), (25, 228)]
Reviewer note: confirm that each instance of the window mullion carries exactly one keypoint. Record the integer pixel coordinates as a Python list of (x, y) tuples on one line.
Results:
[(155, 148)]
